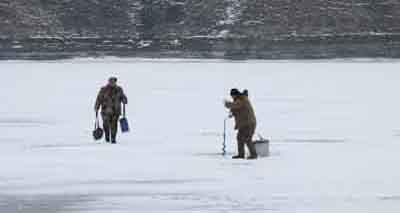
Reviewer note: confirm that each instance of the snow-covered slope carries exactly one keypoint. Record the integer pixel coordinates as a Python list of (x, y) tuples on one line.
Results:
[(161, 18), (242, 29), (334, 128)]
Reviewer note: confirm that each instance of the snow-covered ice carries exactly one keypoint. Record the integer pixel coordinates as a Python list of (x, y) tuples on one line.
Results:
[(334, 127)]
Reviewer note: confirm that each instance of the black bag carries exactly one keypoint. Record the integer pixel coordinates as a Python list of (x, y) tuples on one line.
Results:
[(97, 132)]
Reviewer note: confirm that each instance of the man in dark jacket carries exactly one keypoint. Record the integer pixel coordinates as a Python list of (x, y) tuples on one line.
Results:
[(245, 122), (109, 100)]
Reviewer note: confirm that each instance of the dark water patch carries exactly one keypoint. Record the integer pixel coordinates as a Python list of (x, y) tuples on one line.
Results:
[(13, 140), (214, 154), (396, 133), (106, 182), (280, 198), (148, 182), (23, 122), (198, 202), (110, 201), (229, 208), (390, 197), (225, 203), (40, 203), (301, 140), (211, 134), (64, 146)]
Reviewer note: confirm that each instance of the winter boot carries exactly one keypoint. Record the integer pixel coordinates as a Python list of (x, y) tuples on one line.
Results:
[(107, 138), (113, 141), (252, 150)]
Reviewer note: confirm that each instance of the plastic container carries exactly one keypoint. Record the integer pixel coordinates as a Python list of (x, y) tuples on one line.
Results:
[(262, 147)]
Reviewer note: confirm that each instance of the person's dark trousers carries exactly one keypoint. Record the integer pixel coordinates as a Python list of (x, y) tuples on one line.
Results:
[(244, 136), (114, 128), (240, 147), (110, 126)]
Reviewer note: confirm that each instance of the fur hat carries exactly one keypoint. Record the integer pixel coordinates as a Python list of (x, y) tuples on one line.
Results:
[(113, 78), (235, 92)]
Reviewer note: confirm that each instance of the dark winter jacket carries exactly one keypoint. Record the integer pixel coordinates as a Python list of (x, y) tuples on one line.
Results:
[(243, 112), (109, 100)]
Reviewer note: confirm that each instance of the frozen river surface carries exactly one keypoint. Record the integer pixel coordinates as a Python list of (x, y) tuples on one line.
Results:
[(334, 127)]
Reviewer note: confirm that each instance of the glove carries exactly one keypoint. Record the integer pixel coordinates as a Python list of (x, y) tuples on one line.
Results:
[(226, 103)]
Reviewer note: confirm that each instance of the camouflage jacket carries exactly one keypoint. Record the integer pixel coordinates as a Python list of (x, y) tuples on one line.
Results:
[(110, 99), (243, 112)]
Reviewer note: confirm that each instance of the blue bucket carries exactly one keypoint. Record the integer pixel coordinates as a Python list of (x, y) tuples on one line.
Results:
[(124, 124)]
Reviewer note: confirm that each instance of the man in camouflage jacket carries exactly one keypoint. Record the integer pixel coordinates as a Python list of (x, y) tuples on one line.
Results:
[(245, 122), (109, 100)]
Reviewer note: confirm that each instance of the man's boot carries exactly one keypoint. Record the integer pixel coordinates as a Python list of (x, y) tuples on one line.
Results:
[(107, 135), (113, 139), (240, 151), (252, 150)]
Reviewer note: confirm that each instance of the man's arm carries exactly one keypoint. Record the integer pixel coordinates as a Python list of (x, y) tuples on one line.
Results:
[(233, 105), (99, 100), (124, 99)]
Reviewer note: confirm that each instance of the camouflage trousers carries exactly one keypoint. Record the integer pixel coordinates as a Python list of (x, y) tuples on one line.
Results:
[(110, 126), (244, 137)]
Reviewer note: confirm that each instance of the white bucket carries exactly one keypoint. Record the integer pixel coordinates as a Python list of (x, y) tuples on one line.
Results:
[(262, 147)]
